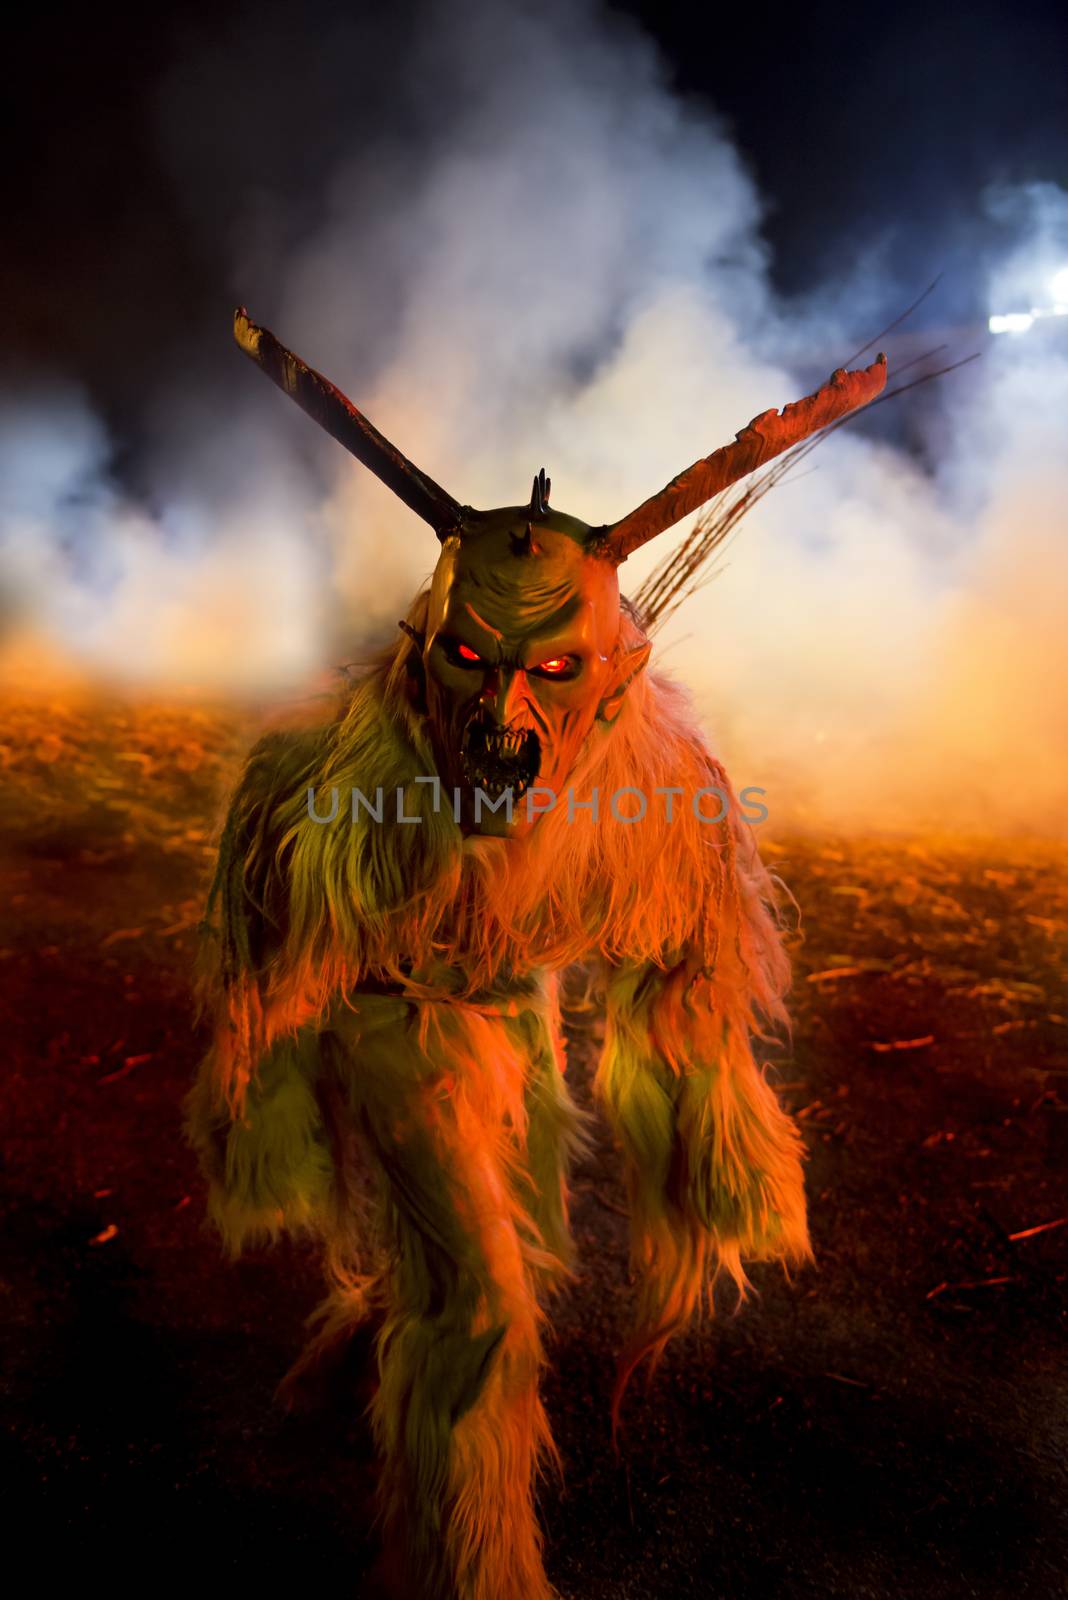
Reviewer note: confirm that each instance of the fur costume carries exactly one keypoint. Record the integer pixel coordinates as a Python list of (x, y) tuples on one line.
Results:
[(387, 1073)]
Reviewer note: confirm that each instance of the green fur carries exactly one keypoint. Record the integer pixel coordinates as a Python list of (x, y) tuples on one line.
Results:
[(246, 911), (734, 1195), (713, 1162), (639, 1097), (554, 1138), (638, 1093), (272, 1168), (287, 887), (344, 879), (710, 1143), (432, 1365)]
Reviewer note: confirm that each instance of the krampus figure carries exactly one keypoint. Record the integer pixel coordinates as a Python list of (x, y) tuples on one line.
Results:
[(506, 792)]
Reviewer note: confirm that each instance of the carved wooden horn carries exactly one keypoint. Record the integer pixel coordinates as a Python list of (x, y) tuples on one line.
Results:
[(766, 436), (333, 411)]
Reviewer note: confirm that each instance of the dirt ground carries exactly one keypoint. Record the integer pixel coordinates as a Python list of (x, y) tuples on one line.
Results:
[(893, 1423)]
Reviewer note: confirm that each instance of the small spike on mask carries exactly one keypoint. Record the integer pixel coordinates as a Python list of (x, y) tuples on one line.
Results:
[(539, 495)]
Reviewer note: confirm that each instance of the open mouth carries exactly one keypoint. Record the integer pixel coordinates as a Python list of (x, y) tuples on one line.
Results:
[(497, 759)]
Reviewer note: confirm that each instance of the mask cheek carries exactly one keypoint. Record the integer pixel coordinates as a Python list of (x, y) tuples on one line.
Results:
[(454, 682), (573, 695), (450, 689), (445, 716), (569, 727), (572, 707)]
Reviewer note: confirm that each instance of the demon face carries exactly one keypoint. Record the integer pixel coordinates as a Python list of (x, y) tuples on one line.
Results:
[(526, 649)]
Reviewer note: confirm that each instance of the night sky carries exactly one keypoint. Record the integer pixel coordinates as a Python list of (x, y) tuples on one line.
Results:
[(858, 122)]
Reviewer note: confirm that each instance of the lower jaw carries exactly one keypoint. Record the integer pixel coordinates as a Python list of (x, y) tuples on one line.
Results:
[(494, 785)]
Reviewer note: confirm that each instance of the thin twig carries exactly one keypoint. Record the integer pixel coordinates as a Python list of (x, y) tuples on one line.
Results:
[(931, 287), (676, 578)]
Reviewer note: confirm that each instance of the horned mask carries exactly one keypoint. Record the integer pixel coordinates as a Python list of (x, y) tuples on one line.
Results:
[(527, 648)]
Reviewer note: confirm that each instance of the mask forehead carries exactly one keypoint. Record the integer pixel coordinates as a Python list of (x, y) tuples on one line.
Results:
[(511, 586)]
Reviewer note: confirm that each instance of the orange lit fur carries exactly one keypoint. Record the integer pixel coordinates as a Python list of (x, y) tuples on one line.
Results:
[(424, 1135)]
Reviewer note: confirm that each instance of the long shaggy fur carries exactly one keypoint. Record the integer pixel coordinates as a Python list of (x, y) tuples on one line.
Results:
[(384, 1024)]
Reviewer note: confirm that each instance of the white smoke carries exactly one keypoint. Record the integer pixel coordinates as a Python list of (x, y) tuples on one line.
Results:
[(533, 253), (206, 595)]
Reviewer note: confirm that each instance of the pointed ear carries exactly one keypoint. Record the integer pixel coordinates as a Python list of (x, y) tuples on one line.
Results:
[(407, 675), (633, 654)]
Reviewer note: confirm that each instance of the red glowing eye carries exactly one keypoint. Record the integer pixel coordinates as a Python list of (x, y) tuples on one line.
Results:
[(465, 653), (557, 664)]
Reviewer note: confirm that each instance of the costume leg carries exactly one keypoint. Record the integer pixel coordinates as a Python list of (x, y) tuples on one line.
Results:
[(346, 1321), (440, 1093)]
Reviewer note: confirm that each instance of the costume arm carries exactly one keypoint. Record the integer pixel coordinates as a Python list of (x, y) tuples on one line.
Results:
[(253, 1115), (299, 912), (713, 1162)]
